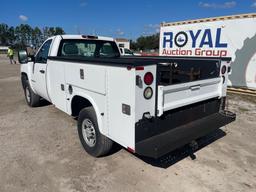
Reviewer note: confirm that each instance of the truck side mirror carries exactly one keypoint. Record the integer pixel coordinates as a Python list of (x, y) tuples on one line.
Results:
[(31, 58), (23, 56)]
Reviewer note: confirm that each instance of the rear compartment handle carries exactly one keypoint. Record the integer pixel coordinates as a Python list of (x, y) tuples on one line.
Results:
[(196, 87)]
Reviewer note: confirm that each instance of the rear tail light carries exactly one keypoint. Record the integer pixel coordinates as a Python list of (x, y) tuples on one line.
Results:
[(223, 69), (139, 68), (130, 150), (148, 93), (148, 78)]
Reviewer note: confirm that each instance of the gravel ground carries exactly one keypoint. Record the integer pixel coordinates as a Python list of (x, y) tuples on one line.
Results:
[(40, 151)]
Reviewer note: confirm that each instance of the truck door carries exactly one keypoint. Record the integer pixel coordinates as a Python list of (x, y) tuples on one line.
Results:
[(40, 71)]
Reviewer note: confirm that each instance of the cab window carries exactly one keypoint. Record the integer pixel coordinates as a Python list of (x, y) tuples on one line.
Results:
[(83, 49), (43, 53), (107, 50), (77, 48)]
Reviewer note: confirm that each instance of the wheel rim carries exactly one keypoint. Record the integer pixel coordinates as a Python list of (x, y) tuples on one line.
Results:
[(88, 132), (28, 94)]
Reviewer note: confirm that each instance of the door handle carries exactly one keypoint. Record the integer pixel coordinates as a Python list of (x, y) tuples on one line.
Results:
[(196, 87), (42, 71)]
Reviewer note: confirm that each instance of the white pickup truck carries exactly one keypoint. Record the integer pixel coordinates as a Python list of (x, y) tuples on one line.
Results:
[(149, 105)]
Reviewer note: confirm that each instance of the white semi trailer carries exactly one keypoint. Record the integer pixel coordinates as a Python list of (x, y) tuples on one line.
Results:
[(229, 36)]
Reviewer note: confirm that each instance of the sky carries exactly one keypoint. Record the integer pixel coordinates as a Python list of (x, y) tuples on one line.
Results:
[(116, 18)]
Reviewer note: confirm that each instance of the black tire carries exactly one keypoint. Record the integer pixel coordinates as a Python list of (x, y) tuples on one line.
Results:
[(102, 145), (32, 99)]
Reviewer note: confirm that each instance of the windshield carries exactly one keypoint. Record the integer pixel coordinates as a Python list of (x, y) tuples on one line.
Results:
[(88, 48)]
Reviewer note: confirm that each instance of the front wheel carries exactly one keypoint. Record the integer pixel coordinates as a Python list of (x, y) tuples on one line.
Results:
[(90, 137), (32, 99)]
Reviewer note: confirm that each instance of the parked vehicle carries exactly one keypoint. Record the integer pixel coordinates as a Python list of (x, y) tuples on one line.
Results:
[(128, 52), (149, 105)]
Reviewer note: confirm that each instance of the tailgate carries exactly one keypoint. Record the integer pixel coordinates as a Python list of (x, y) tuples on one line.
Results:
[(174, 96), (186, 81)]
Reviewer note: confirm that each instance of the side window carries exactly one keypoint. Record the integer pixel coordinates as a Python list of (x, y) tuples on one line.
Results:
[(42, 54)]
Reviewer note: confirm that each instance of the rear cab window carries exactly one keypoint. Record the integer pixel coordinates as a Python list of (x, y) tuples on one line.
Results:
[(79, 48)]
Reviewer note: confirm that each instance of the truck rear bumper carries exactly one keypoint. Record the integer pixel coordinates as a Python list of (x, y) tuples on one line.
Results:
[(160, 144)]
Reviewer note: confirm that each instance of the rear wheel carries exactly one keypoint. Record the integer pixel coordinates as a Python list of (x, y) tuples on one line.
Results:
[(32, 99), (92, 140)]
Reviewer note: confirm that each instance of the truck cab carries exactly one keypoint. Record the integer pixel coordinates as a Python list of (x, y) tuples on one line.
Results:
[(149, 105)]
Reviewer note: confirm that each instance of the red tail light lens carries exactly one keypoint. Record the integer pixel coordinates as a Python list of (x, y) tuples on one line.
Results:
[(140, 68), (223, 69), (148, 78)]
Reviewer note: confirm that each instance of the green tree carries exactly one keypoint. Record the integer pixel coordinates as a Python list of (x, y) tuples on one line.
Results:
[(3, 34), (37, 38), (133, 45), (24, 35), (45, 33), (11, 36), (146, 42), (51, 31), (59, 31)]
